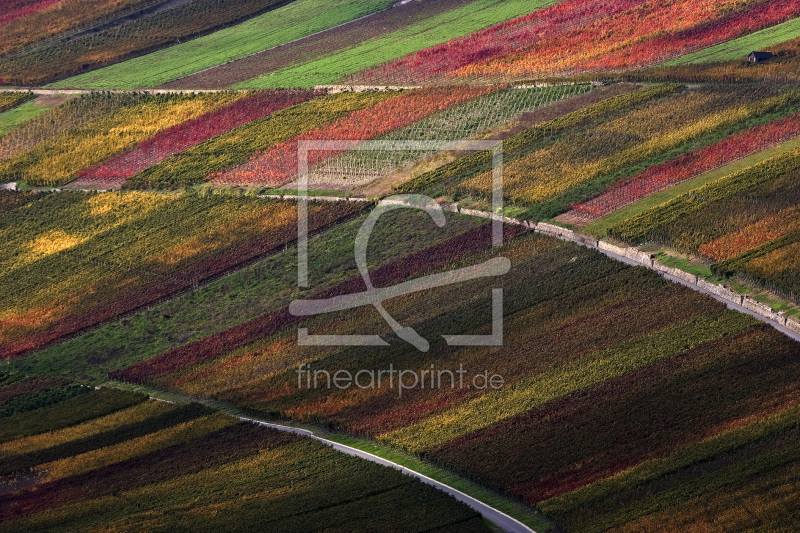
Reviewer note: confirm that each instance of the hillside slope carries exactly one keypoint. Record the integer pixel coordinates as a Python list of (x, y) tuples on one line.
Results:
[(607, 342), (113, 459)]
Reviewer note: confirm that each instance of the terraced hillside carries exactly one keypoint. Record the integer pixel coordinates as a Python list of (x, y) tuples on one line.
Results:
[(614, 348), (720, 64), (102, 141), (552, 42), (126, 119), (251, 139), (141, 28), (324, 58), (587, 340), (373, 42), (576, 157), (75, 458), (74, 260), (755, 240)]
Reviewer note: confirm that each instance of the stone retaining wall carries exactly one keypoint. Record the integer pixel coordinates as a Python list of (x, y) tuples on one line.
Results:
[(552, 229), (647, 260), (676, 272), (720, 290), (608, 247), (763, 310), (642, 258)]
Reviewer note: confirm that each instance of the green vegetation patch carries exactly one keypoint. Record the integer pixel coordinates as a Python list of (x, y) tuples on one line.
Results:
[(461, 21), (285, 24), (741, 47)]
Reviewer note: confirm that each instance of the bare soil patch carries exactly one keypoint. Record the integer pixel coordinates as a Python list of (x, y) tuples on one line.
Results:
[(51, 100)]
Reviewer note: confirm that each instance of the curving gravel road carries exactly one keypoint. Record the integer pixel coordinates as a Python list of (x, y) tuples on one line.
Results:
[(499, 518)]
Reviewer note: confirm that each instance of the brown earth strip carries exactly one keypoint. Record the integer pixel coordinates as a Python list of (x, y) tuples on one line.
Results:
[(315, 46), (51, 100)]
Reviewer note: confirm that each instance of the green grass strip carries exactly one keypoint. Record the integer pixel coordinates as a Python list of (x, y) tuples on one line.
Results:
[(293, 21), (600, 227), (14, 117), (538, 390), (741, 47), (462, 21), (639, 227)]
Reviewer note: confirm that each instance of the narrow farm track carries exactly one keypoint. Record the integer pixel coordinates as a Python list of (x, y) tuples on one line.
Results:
[(502, 520), (331, 89), (77, 92), (497, 517)]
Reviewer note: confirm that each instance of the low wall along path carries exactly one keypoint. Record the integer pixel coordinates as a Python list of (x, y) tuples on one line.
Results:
[(788, 325)]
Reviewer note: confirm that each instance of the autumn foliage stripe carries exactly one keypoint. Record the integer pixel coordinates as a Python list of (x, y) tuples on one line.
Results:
[(279, 164), (187, 134), (663, 176), (233, 338), (551, 42)]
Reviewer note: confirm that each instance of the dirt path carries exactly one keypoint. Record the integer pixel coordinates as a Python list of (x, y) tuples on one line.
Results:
[(502, 520), (317, 45), (497, 517), (51, 100), (76, 92)]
